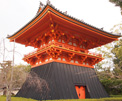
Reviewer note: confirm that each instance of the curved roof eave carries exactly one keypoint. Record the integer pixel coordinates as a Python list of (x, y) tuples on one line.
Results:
[(64, 15)]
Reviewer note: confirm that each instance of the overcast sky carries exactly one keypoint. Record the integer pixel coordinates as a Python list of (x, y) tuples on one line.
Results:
[(14, 14)]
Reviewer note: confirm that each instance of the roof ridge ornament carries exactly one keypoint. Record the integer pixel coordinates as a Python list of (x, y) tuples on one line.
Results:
[(48, 2), (41, 4), (65, 12)]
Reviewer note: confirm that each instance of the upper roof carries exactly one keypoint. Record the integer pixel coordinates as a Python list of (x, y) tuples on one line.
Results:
[(42, 19)]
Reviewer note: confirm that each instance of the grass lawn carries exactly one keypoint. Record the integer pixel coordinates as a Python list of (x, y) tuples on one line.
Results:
[(2, 98), (102, 99), (115, 95), (112, 98)]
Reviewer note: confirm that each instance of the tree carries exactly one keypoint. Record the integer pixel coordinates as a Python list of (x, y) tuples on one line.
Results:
[(7, 70), (111, 75), (34, 81), (7, 75), (19, 76), (107, 62), (117, 51), (117, 3), (13, 76)]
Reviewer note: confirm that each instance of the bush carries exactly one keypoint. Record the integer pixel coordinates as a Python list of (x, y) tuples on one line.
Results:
[(115, 95), (112, 86)]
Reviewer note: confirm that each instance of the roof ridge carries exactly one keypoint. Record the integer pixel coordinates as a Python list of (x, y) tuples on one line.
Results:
[(81, 21)]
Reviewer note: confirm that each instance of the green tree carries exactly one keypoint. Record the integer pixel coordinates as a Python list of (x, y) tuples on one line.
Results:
[(117, 3), (117, 51), (111, 75), (107, 62), (20, 72)]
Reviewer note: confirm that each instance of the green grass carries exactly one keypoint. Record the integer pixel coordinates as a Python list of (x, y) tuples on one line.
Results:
[(2, 98), (76, 100), (115, 95), (102, 99), (113, 98)]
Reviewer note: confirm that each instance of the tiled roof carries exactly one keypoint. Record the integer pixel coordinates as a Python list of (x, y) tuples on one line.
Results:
[(64, 13)]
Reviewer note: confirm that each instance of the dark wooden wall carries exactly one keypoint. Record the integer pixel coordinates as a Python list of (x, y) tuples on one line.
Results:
[(61, 79)]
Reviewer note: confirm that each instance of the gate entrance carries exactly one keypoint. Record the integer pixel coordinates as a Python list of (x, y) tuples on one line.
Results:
[(80, 92)]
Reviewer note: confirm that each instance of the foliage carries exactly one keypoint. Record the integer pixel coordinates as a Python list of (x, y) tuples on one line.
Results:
[(109, 81), (117, 3), (34, 81), (115, 95), (6, 79), (117, 51), (117, 29), (107, 62), (111, 75), (25, 68), (19, 75), (11, 77), (112, 86)]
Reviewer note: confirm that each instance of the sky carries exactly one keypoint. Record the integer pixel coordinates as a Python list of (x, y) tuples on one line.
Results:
[(14, 14)]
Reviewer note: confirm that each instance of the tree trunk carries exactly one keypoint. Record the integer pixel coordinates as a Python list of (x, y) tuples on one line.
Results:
[(8, 95)]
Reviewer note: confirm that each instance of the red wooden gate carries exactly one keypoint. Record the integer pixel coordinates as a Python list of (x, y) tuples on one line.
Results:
[(80, 91)]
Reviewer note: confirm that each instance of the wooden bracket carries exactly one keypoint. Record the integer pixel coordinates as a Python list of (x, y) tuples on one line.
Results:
[(83, 58)]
